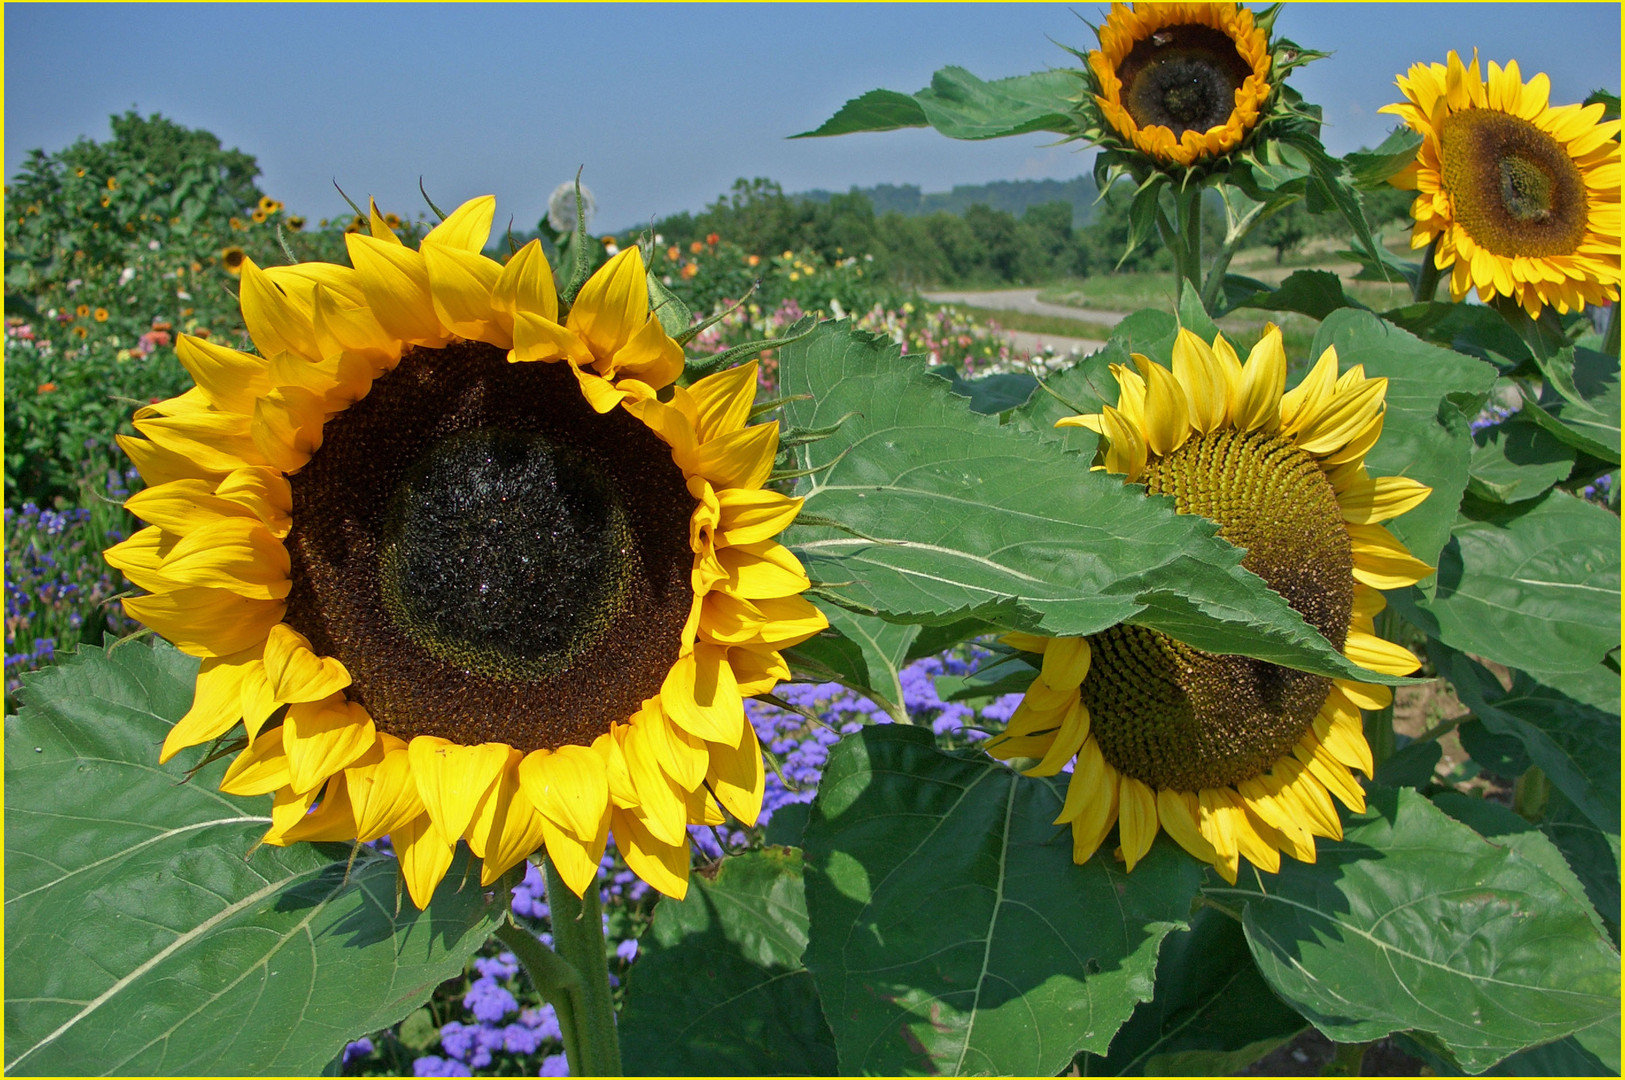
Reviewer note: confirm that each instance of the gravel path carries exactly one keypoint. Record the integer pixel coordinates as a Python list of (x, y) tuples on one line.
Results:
[(1024, 300)]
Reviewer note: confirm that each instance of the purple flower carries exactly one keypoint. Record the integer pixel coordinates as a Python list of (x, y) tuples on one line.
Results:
[(438, 1066), (627, 950), (555, 1065), (358, 1049), (488, 1001)]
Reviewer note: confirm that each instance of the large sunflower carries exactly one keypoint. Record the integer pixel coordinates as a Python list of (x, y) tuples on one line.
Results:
[(1181, 81), (1522, 197), (1231, 756), (463, 570)]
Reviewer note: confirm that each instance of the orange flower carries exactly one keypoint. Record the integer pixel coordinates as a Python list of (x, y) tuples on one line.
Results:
[(696, 247), (83, 310), (201, 332), (112, 183), (101, 314), (81, 331), (47, 387), (690, 270), (237, 223), (754, 260), (258, 215), (712, 238), (674, 253)]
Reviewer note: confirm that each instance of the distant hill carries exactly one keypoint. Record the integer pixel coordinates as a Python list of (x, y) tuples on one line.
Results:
[(1014, 196)]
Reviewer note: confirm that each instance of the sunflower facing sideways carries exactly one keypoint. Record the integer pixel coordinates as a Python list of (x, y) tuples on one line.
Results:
[(465, 570), (1521, 197), (1181, 81), (1230, 756)]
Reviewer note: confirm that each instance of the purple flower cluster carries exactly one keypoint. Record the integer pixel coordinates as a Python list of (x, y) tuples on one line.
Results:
[(57, 585)]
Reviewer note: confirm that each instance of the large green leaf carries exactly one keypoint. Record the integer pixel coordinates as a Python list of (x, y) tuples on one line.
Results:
[(719, 989), (1575, 745), (142, 937), (1315, 293), (1592, 854), (1587, 417), (961, 106), (942, 514), (950, 930), (1213, 1013), (865, 653), (1534, 585), (1469, 328), (1423, 436), (1414, 922), (1517, 460)]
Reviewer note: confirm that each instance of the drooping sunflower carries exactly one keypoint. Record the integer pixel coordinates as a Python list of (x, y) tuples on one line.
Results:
[(464, 569), (1230, 756), (1523, 197), (1181, 81)]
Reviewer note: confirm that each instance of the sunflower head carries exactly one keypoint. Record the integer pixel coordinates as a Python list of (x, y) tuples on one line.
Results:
[(1180, 82), (1231, 756), (1520, 198), (232, 260), (467, 565)]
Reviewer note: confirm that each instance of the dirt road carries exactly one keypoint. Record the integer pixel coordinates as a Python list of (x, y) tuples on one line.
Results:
[(1027, 302)]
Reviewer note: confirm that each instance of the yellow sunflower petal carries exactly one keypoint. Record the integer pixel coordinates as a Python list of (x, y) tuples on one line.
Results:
[(612, 305), (231, 379), (1167, 412), (664, 866), (577, 860), (1093, 810), (740, 459), (333, 819), (1136, 818), (396, 284), (701, 695), (723, 400), (1263, 382), (452, 779), (383, 794), (425, 856), (1305, 401), (751, 515), (1203, 380), (235, 553), (506, 828), (216, 703), (296, 672), (525, 285), (1066, 662), (1067, 741), (1381, 561), (466, 228), (207, 622), (320, 738), (1373, 500), (258, 770), (460, 285), (736, 776), (570, 786), (1179, 813)]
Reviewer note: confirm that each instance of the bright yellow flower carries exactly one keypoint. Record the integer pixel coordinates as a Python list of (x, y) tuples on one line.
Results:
[(1230, 756), (463, 571), (1522, 197), (1181, 81), (232, 260)]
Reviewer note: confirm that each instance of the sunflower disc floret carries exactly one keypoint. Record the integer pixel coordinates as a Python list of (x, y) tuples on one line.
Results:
[(1230, 756), (464, 569), (1180, 82), (1521, 198)]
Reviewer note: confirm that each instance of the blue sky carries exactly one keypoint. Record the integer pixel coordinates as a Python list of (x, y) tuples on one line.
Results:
[(664, 104)]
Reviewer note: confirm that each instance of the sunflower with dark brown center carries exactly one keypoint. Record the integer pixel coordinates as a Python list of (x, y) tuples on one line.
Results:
[(1231, 756), (1521, 198), (464, 571), (1181, 81)]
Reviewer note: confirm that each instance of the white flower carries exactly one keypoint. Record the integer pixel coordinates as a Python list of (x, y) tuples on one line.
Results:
[(561, 206), (128, 274)]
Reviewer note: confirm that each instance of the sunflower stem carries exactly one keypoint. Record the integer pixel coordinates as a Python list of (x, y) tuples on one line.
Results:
[(1427, 279), (1188, 227), (1379, 725), (578, 935), (553, 977), (1610, 338)]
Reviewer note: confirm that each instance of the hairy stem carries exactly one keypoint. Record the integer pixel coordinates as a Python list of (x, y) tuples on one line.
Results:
[(578, 934)]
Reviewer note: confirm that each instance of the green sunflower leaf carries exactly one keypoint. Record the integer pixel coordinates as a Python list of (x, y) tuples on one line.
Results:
[(1315, 293), (1415, 923), (146, 934), (1534, 585), (864, 653), (1592, 853), (1468, 328), (946, 514), (1516, 460), (1213, 1013), (719, 988), (1575, 745), (1423, 436), (950, 931), (1372, 168), (1587, 418), (961, 106)]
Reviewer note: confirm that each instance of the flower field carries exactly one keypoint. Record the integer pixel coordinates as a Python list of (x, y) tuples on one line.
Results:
[(436, 650)]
